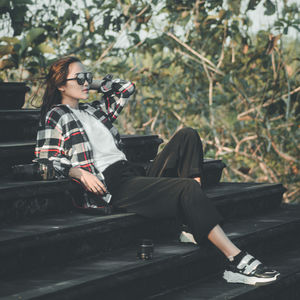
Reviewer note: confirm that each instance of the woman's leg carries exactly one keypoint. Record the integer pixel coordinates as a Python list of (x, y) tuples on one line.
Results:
[(167, 197), (181, 157), (162, 197), (218, 237)]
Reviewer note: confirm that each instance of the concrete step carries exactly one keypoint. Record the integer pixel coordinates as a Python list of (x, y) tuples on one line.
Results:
[(120, 275), (19, 124), (24, 200), (215, 288), (21, 200), (22, 152), (59, 238), (14, 153)]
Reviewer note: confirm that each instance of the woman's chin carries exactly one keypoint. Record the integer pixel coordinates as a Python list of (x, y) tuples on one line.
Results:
[(85, 96)]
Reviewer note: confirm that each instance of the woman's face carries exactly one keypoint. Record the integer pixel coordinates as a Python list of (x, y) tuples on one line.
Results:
[(71, 92)]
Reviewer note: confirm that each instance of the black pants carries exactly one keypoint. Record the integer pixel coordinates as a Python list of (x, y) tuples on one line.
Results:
[(168, 189)]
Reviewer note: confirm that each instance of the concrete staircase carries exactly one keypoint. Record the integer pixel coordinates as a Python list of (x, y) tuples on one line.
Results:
[(48, 250)]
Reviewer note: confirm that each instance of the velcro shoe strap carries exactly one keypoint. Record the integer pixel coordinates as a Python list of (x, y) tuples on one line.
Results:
[(252, 267), (244, 261)]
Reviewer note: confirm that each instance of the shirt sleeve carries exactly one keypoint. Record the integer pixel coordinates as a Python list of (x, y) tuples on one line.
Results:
[(114, 103), (50, 147), (114, 106)]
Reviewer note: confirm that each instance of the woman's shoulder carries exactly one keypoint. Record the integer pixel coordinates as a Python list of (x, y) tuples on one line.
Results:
[(57, 114)]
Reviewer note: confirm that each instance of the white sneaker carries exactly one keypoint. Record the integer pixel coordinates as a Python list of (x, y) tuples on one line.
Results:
[(249, 271)]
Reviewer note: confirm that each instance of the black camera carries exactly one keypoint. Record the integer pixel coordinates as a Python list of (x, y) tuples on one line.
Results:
[(34, 171), (108, 86)]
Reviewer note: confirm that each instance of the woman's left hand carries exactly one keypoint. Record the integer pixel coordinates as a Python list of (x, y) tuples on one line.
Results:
[(89, 180)]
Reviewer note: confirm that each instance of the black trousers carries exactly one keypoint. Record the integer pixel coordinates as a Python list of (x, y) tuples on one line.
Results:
[(168, 190)]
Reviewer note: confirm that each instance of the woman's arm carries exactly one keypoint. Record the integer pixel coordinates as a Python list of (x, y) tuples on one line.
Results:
[(50, 146), (114, 106), (89, 180), (115, 102)]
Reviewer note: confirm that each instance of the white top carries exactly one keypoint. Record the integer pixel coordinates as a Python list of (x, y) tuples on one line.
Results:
[(105, 150)]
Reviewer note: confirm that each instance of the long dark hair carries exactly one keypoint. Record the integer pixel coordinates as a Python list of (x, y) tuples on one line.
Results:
[(55, 78)]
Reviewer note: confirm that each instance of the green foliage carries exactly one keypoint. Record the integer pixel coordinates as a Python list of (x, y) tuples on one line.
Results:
[(194, 63)]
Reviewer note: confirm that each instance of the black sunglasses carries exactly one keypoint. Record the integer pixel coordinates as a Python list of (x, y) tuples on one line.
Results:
[(82, 77)]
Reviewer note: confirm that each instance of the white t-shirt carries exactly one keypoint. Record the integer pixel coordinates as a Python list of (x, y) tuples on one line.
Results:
[(105, 150)]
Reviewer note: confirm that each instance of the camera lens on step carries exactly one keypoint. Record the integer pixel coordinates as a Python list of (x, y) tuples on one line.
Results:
[(145, 249)]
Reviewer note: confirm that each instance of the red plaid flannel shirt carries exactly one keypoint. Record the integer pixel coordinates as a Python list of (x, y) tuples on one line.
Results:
[(61, 138)]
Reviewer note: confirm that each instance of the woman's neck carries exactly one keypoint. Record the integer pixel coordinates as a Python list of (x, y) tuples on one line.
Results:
[(73, 103)]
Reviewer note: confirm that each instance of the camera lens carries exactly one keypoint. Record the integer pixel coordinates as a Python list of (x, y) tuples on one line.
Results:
[(145, 249)]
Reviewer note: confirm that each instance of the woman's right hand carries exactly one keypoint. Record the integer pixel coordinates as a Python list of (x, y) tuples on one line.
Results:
[(89, 180)]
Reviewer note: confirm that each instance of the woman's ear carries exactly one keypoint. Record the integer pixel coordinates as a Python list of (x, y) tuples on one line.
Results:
[(61, 88)]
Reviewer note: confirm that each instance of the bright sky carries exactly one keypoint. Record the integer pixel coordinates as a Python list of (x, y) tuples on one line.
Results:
[(261, 21)]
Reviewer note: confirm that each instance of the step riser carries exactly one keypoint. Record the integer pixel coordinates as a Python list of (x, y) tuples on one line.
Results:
[(178, 271), (251, 206), (19, 124), (20, 209), (26, 130)]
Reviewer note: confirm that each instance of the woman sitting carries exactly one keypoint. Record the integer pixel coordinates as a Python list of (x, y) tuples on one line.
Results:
[(81, 142)]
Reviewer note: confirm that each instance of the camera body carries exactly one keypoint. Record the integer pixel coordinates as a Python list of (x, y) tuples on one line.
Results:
[(109, 86), (34, 171)]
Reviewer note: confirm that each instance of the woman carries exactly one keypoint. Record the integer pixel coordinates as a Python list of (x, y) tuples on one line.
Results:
[(80, 142)]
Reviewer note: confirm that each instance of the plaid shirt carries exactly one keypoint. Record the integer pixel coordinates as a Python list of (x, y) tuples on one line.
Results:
[(62, 140)]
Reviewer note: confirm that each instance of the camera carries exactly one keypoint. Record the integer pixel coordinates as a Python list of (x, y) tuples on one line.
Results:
[(34, 171), (108, 86)]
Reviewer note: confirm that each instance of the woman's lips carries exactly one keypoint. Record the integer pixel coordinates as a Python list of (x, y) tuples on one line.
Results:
[(85, 90)]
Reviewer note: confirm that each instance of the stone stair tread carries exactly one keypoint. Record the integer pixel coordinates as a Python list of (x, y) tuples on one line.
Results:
[(64, 235), (237, 188), (109, 270), (72, 221), (217, 191), (215, 288), (19, 114), (16, 144), (57, 225)]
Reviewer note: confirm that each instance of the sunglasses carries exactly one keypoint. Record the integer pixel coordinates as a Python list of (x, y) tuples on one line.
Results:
[(82, 77)]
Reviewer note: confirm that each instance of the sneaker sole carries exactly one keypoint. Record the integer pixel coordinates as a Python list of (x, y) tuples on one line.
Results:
[(239, 278)]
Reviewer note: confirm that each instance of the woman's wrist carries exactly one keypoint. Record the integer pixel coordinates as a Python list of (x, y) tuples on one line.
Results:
[(76, 172)]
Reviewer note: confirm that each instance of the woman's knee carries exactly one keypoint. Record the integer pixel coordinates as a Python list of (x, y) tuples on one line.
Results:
[(192, 190), (188, 132)]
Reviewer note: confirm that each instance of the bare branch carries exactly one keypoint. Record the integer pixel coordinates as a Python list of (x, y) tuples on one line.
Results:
[(248, 138), (191, 50), (269, 102), (283, 155), (223, 46), (199, 61)]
